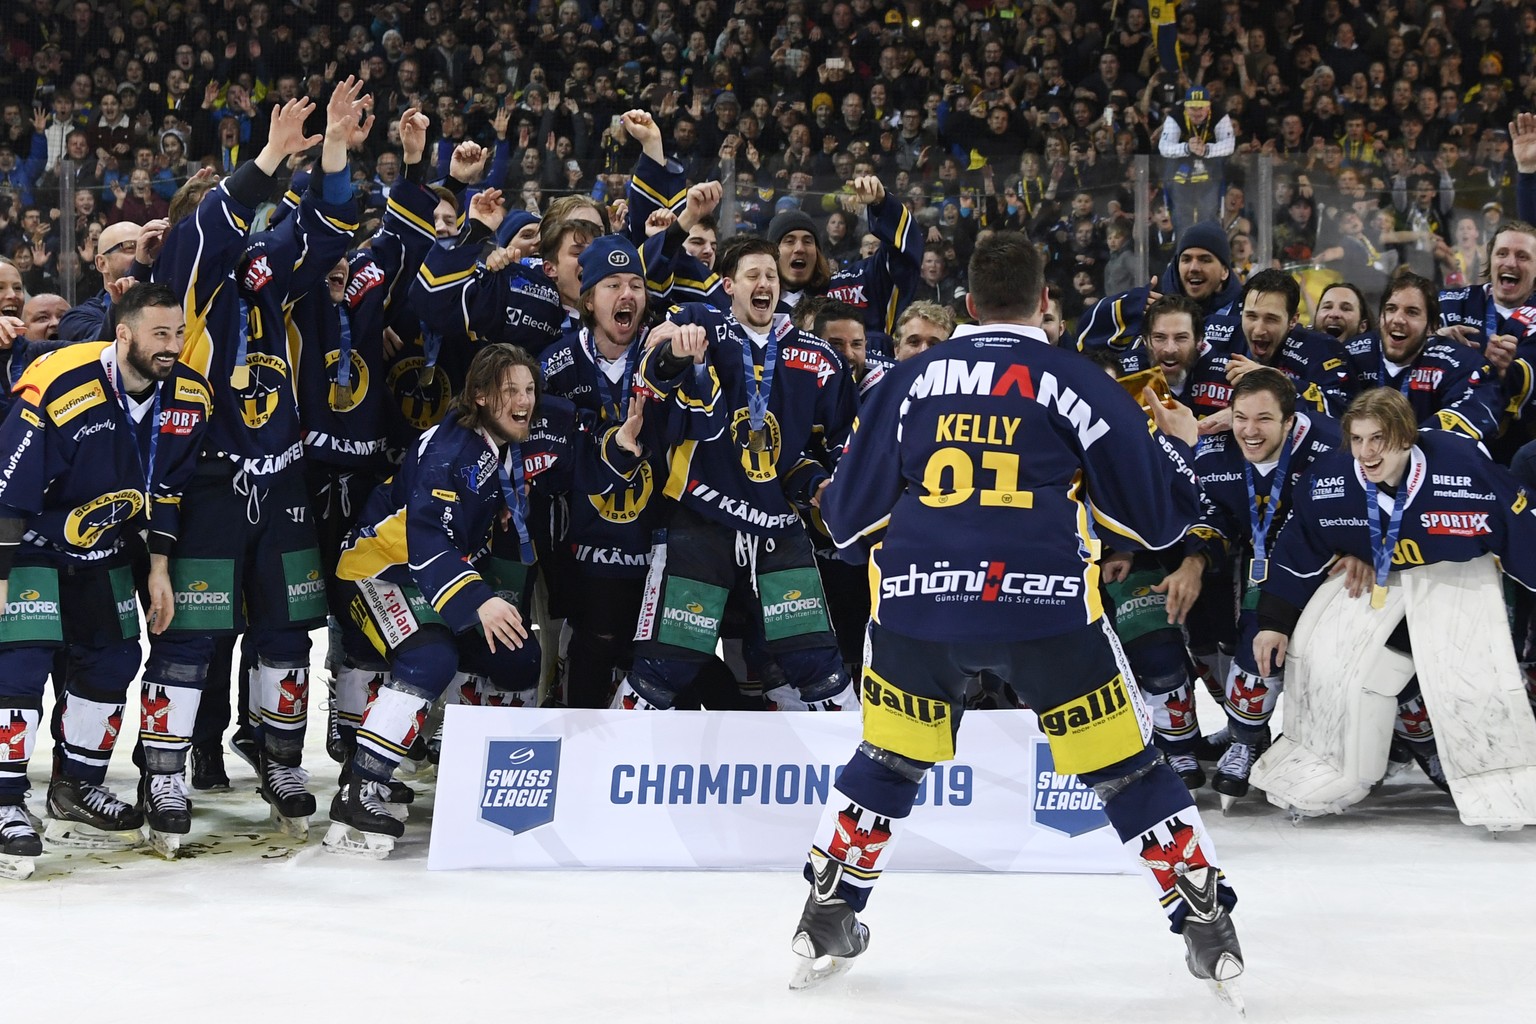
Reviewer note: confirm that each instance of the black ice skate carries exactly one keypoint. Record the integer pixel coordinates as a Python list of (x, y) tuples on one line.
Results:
[(361, 825), (1231, 779), (208, 774), (1187, 768), (398, 796), (87, 816), (1212, 953), (167, 811), (19, 843), (829, 934), (282, 787)]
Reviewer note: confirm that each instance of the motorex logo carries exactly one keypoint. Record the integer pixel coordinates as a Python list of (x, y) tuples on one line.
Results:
[(521, 776), (1061, 802)]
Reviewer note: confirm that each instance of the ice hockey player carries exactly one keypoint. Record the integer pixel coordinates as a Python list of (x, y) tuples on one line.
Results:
[(440, 590), (102, 439), (1342, 312), (245, 561), (1246, 480), (1201, 270), (985, 562), (1399, 499), (1449, 385), (1315, 362), (760, 399)]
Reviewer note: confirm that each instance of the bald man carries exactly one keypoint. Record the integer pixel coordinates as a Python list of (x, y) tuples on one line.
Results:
[(42, 314), (117, 256)]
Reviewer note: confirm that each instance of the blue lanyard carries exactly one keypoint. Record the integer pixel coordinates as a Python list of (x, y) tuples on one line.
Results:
[(1490, 317), (431, 347), (1403, 379), (1382, 547), (1260, 523), (133, 432), (242, 343), (615, 412), (344, 364), (516, 497), (759, 390)]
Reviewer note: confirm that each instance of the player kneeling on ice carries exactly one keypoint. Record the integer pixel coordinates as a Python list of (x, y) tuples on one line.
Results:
[(101, 441), (1425, 520), (443, 566), (976, 468)]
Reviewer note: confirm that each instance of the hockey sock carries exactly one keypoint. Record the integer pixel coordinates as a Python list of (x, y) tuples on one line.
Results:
[(391, 724), (477, 691), (90, 730), (1250, 701), (1412, 723), (355, 687), (1174, 725), (1155, 817), (167, 714), (282, 698), (1215, 666), (862, 820), (18, 735)]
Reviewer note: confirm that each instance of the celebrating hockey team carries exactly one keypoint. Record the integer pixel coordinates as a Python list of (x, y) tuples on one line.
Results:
[(891, 360)]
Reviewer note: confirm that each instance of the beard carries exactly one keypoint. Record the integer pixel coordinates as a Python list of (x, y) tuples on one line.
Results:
[(144, 364)]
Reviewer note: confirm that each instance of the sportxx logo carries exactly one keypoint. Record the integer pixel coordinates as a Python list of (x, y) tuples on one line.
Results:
[(1455, 524)]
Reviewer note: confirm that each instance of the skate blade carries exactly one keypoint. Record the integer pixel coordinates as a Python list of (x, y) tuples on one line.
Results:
[(166, 844), (345, 841), (74, 835), (17, 869), (1227, 802), (1229, 993), (297, 828), (812, 972)]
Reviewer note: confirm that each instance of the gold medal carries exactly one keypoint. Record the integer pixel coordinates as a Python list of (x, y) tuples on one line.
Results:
[(1378, 596), (757, 440), (341, 398), (240, 377)]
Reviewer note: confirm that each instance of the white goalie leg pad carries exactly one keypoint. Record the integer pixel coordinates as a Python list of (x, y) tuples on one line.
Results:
[(1474, 690), (1343, 683)]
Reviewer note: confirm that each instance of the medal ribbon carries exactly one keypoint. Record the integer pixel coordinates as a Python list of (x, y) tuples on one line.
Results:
[(1260, 523), (759, 390), (1382, 547), (614, 412), (145, 466), (516, 497), (344, 364)]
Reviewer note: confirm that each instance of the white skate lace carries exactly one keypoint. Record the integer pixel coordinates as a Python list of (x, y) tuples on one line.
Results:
[(1237, 761), (1183, 762), (168, 792), (101, 800), (286, 781), (374, 796), (14, 822)]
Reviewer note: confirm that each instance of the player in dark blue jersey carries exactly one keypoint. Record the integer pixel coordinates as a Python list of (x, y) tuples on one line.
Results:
[(980, 473), (1450, 386), (1315, 362)]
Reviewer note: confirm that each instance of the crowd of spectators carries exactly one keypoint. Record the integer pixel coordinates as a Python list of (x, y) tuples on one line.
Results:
[(1384, 122)]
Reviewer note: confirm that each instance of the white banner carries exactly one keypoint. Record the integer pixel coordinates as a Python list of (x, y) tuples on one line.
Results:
[(534, 788)]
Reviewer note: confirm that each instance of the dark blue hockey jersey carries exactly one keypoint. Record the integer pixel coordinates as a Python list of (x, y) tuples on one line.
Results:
[(610, 532), (980, 469), (1116, 321), (1225, 533), (712, 469), (236, 289), (347, 427), (1449, 385), (1460, 505), (430, 524), (468, 305), (75, 460)]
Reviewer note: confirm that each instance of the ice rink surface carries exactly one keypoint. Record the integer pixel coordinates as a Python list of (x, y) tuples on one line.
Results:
[(1394, 913)]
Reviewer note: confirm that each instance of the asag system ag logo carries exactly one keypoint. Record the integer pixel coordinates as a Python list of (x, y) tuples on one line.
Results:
[(518, 788), (1062, 803)]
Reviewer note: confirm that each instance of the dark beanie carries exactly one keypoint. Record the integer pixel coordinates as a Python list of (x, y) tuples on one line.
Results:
[(1206, 235), (512, 223), (791, 220)]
